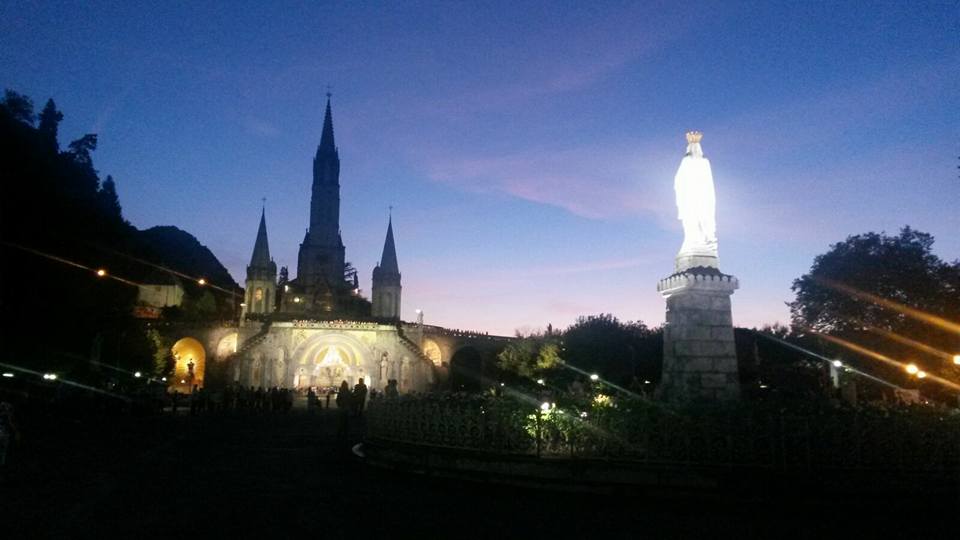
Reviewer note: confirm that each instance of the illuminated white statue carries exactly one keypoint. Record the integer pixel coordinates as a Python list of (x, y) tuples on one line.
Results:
[(332, 358), (696, 204)]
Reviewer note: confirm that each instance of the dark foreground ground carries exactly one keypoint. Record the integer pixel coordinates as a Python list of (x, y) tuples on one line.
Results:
[(283, 476)]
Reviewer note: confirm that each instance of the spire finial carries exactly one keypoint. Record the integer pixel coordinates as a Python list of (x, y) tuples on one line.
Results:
[(390, 212), (329, 92), (326, 137), (263, 203)]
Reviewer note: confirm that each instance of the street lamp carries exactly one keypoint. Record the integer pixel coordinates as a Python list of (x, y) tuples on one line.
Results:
[(912, 369), (138, 374), (594, 377), (921, 374), (201, 282), (101, 272), (837, 363), (540, 382), (956, 359)]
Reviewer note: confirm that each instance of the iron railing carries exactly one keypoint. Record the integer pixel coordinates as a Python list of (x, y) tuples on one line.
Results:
[(901, 439)]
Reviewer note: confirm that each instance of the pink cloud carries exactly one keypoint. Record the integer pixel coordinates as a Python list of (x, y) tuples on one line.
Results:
[(595, 183)]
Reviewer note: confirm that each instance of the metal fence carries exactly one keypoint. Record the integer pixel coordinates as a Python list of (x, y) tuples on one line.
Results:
[(901, 439)]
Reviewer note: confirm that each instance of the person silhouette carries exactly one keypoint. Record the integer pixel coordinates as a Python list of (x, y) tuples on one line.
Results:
[(359, 396), (344, 404)]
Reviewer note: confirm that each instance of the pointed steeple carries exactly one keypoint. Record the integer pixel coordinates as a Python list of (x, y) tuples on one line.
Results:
[(388, 260), (261, 249), (386, 289), (326, 139)]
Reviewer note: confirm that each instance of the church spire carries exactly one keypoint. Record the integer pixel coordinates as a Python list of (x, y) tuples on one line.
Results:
[(321, 258), (388, 260), (386, 290), (261, 249), (326, 138)]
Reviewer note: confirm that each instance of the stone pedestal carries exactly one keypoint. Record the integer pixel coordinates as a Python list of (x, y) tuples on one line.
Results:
[(699, 354)]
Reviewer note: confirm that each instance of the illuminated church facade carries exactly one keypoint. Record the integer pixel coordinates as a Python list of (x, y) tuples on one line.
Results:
[(316, 330)]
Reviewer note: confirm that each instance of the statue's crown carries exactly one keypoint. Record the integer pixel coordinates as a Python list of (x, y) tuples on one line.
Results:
[(694, 137)]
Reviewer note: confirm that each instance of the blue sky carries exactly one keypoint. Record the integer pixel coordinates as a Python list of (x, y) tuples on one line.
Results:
[(528, 148)]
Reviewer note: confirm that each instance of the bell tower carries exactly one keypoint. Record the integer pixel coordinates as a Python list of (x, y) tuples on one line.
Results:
[(261, 284), (321, 259), (386, 280)]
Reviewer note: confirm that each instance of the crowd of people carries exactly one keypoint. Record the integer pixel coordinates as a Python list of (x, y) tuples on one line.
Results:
[(232, 398), (259, 399)]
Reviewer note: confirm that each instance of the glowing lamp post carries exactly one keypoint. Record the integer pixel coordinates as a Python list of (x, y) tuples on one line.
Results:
[(101, 272), (594, 377), (912, 369)]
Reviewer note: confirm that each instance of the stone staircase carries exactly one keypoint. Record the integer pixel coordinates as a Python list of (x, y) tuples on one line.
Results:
[(253, 340), (413, 347)]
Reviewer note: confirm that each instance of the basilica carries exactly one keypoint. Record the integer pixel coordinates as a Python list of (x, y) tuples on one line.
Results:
[(316, 330)]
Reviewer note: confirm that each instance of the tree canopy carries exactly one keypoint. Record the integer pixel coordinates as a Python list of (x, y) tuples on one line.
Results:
[(617, 351), (852, 291)]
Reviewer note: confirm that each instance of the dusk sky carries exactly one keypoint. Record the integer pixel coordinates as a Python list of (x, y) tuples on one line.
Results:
[(528, 149)]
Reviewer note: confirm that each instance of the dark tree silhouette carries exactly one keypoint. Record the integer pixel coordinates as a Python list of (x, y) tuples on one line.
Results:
[(900, 268), (82, 148), (49, 124), (109, 202), (283, 278), (616, 350), (18, 106)]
